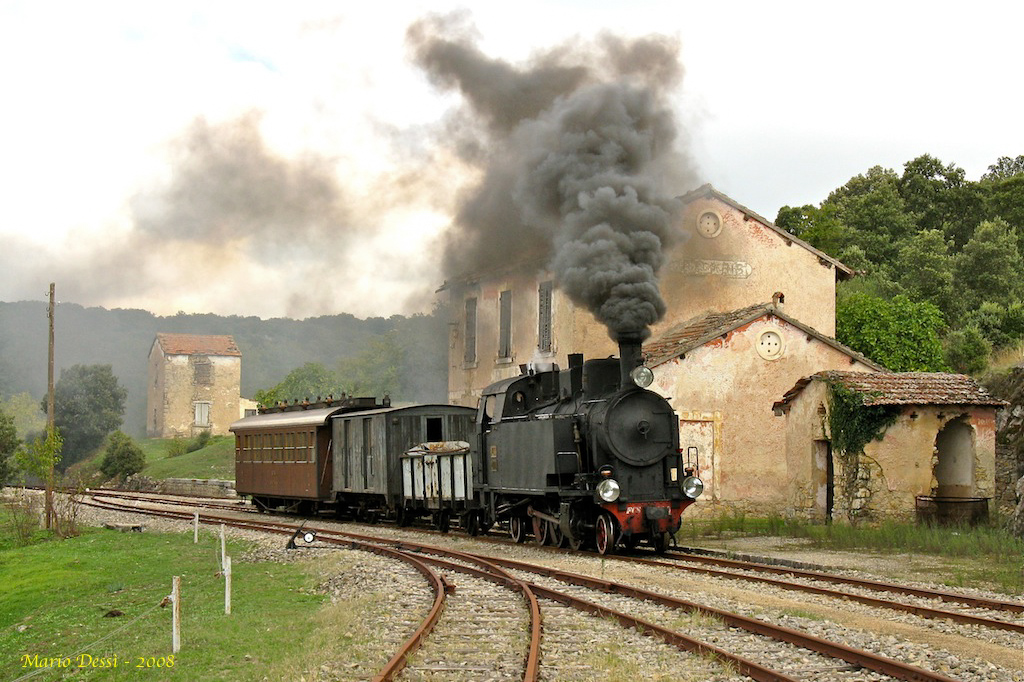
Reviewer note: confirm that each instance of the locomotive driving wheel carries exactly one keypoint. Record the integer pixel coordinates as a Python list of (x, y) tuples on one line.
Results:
[(556, 535), (605, 534), (517, 529), (541, 531)]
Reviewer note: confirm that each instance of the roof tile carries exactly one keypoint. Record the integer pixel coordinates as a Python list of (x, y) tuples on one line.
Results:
[(196, 344)]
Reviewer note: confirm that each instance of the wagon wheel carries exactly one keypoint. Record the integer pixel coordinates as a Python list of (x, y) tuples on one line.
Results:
[(540, 531), (556, 535), (604, 534), (473, 523), (404, 516), (444, 520), (660, 542), (517, 529)]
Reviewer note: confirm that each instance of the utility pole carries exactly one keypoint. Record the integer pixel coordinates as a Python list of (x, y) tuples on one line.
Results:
[(50, 424)]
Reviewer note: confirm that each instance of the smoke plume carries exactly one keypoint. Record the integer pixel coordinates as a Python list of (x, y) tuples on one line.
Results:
[(579, 159)]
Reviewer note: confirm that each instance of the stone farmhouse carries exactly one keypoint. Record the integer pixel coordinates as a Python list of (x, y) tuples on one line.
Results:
[(751, 311), (194, 385)]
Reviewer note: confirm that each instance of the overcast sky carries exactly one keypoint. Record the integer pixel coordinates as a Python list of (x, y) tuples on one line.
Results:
[(131, 132)]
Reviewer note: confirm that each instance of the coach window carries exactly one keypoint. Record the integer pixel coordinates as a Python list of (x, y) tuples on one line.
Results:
[(505, 325)]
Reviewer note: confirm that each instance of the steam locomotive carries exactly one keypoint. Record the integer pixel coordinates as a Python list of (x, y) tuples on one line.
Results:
[(574, 457)]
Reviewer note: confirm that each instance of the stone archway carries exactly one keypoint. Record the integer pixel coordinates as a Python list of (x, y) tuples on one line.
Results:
[(954, 460)]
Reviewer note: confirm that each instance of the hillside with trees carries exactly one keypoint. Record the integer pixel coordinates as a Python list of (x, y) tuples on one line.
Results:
[(405, 355), (939, 261)]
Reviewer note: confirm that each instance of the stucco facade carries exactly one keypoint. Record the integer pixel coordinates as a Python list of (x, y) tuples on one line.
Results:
[(721, 374), (725, 257), (194, 385), (944, 450)]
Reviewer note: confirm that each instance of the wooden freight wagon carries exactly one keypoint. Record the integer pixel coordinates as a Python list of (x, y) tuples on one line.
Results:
[(369, 446)]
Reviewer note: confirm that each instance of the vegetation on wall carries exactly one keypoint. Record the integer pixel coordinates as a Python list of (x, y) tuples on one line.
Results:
[(936, 238), (851, 426)]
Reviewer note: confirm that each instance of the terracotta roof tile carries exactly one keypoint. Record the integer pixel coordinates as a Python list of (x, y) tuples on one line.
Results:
[(697, 330), (196, 344), (905, 388)]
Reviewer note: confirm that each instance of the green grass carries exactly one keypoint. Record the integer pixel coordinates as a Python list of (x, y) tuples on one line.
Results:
[(987, 555), (216, 460), (55, 595)]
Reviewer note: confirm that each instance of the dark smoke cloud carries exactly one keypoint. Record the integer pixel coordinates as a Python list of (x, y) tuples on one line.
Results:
[(228, 186), (580, 161)]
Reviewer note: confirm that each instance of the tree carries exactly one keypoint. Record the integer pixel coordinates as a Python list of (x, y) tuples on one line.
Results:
[(988, 268), (89, 404), (1005, 167), (898, 333), (941, 198), (874, 213), (122, 457), (377, 370), (306, 382), (967, 350), (9, 443), (926, 271), (41, 455)]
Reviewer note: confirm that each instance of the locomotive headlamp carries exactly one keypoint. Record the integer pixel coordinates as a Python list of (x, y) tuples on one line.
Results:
[(608, 490), (692, 487), (642, 376)]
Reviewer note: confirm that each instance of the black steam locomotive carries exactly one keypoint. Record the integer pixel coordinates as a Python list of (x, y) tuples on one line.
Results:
[(581, 456)]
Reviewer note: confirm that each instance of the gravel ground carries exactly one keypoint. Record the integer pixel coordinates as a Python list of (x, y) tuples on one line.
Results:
[(579, 647)]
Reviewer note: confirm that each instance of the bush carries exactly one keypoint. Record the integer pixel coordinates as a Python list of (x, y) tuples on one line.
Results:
[(123, 457), (177, 446), (199, 442)]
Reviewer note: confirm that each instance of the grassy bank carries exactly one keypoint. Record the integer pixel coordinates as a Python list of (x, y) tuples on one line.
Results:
[(215, 460), (56, 593), (986, 556)]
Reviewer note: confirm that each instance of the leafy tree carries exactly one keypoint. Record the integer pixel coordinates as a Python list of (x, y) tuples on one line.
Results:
[(9, 443), (122, 457), (941, 198), (88, 404), (1004, 198), (377, 370), (39, 456), (967, 351), (926, 270), (24, 410), (306, 382), (989, 266), (874, 213), (1000, 325), (1005, 167), (898, 333)]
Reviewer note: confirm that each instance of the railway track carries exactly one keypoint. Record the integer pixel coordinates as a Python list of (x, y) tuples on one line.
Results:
[(737, 641)]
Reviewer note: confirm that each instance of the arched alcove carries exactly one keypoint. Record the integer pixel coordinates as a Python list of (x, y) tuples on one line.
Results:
[(954, 465)]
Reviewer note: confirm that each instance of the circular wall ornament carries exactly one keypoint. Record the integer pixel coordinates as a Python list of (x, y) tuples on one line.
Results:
[(770, 344), (709, 224)]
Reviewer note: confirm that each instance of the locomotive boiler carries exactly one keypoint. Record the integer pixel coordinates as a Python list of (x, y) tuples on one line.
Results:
[(585, 455)]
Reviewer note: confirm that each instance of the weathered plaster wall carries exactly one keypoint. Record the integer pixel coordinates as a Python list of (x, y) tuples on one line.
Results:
[(744, 264), (177, 393), (892, 472), (734, 387)]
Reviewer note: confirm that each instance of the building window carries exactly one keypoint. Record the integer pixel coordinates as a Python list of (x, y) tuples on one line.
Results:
[(544, 317), (505, 325), (202, 413), (470, 356), (203, 369)]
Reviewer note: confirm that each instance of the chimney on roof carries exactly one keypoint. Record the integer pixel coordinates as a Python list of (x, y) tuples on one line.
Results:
[(778, 299)]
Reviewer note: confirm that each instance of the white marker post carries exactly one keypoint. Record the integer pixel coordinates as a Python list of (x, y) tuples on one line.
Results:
[(195, 530), (222, 552), (176, 614), (227, 586)]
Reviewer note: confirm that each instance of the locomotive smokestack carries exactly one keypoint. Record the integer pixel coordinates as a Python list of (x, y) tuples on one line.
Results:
[(630, 357)]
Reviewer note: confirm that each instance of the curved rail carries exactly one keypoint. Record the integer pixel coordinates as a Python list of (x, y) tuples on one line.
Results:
[(492, 572)]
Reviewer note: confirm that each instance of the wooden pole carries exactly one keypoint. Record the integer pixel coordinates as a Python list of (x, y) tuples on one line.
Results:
[(195, 530), (50, 411), (176, 614), (227, 586)]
